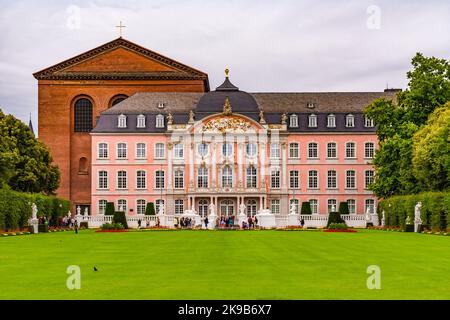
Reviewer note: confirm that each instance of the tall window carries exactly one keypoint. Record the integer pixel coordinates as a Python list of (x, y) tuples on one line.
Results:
[(331, 121), (368, 179), (141, 150), (202, 177), (103, 179), (122, 205), (203, 208), (369, 150), (332, 205), (350, 150), (368, 123), (251, 177), (314, 203), (294, 179), (370, 205), (202, 149), (275, 150), (296, 204), (102, 206), (331, 150), (159, 121), (179, 206), (122, 121), (251, 149), (227, 149), (331, 179), (294, 150), (121, 179), (313, 182), (158, 204), (351, 206), (140, 206), (121, 150), (251, 207), (179, 179), (103, 150), (275, 206), (159, 179), (140, 121), (83, 115), (350, 121), (312, 121), (350, 182), (275, 178), (227, 177), (159, 150), (178, 151), (141, 179), (293, 121), (312, 150)]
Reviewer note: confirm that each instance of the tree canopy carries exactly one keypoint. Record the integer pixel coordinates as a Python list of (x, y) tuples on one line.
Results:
[(25, 163), (399, 119)]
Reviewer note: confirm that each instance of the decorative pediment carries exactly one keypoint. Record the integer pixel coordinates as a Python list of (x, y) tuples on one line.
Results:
[(226, 124)]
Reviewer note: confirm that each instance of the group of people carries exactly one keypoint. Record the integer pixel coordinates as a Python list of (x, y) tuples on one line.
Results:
[(251, 223), (157, 223), (184, 222)]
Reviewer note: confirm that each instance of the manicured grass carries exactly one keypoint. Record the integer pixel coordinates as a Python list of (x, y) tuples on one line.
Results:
[(225, 265)]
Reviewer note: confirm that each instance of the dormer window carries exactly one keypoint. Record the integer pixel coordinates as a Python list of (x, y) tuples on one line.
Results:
[(141, 121), (368, 122), (293, 121), (350, 121), (161, 105), (331, 121), (122, 121), (312, 121), (159, 121), (310, 105)]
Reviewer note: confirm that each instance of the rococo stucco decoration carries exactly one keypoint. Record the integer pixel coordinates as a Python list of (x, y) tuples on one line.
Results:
[(226, 124)]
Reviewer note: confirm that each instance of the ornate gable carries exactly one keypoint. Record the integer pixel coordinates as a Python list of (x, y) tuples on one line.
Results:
[(121, 59)]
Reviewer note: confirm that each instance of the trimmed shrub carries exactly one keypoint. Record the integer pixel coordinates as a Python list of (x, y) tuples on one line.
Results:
[(150, 209), (109, 209), (337, 226), (112, 226), (334, 217), (343, 208), (306, 208), (119, 217)]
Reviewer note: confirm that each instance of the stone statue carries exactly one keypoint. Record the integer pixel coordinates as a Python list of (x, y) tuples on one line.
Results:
[(193, 209), (368, 219), (86, 211), (212, 209), (78, 210), (170, 119), (191, 116), (34, 211), (408, 220), (261, 117), (293, 209), (284, 118), (383, 218), (161, 210), (69, 214), (417, 219), (242, 209)]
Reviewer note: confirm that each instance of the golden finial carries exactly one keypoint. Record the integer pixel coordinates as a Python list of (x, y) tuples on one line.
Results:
[(227, 71)]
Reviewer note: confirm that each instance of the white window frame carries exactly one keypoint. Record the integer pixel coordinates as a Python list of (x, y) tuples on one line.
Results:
[(160, 179), (313, 179), (330, 149), (202, 177), (124, 203), (369, 150), (178, 150), (331, 121), (348, 148), (330, 203), (314, 204), (159, 121), (227, 177), (102, 206), (275, 150), (251, 149), (158, 149), (102, 150), (275, 206), (312, 121), (103, 180), (296, 202), (119, 153), (350, 180), (368, 122), (179, 206), (294, 179), (251, 177), (313, 147), (178, 179), (141, 181), (122, 181), (140, 121), (140, 207), (294, 150), (332, 182), (139, 149), (122, 121), (367, 183), (350, 121), (351, 206), (293, 121), (275, 178), (372, 205), (203, 149), (227, 149)]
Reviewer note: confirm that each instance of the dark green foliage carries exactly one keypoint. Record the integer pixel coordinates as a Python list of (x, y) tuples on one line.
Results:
[(337, 226), (150, 209), (109, 210), (119, 217), (334, 217), (112, 226), (343, 208), (306, 208), (43, 227)]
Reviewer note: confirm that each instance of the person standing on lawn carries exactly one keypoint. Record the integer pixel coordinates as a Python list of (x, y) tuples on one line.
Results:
[(75, 225), (206, 222)]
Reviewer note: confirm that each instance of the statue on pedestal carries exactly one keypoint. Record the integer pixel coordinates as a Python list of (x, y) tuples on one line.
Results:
[(212, 209), (34, 211), (242, 209), (86, 212), (293, 209), (368, 218), (383, 218), (417, 219), (78, 210), (161, 210)]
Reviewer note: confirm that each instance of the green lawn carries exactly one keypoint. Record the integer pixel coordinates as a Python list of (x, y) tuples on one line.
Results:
[(225, 265)]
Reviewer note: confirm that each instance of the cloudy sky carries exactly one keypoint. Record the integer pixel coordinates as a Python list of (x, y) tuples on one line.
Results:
[(278, 45)]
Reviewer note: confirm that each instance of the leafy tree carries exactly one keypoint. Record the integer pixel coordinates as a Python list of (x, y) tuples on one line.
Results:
[(25, 162), (431, 151), (399, 119)]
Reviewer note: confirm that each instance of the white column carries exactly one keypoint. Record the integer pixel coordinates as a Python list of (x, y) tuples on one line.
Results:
[(284, 176), (214, 164)]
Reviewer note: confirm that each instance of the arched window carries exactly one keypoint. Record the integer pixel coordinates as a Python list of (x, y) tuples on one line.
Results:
[(331, 121), (312, 121), (251, 207), (350, 150), (331, 150), (140, 121), (350, 121), (312, 150), (141, 179), (227, 177), (122, 205), (103, 150), (83, 166), (140, 206), (202, 178), (293, 121), (103, 179), (83, 115), (122, 121), (121, 179), (294, 150), (369, 150), (227, 149), (203, 208), (179, 179), (159, 121), (251, 177), (117, 99), (227, 207), (331, 179)]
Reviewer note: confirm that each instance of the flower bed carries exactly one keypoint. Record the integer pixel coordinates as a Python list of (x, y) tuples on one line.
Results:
[(112, 230), (15, 233), (339, 230)]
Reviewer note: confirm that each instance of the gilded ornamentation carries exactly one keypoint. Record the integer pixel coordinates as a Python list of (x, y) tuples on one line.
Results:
[(222, 125), (227, 107)]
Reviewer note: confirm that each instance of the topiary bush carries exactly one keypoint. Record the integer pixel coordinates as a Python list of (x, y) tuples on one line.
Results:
[(338, 226), (119, 217), (334, 217), (150, 209), (306, 208), (109, 209), (343, 208)]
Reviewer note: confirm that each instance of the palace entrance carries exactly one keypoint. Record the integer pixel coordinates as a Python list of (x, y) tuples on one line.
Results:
[(227, 207)]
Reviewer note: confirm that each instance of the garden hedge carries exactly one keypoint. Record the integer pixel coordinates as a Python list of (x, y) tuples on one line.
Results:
[(119, 217), (15, 208), (150, 209), (306, 208), (434, 213)]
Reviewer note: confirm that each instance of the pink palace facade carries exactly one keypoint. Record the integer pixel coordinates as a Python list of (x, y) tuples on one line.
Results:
[(228, 147)]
